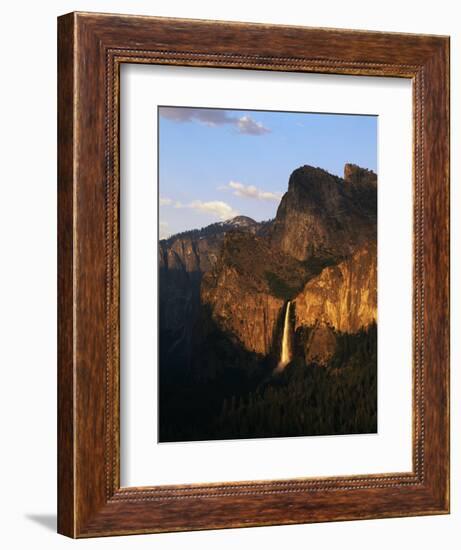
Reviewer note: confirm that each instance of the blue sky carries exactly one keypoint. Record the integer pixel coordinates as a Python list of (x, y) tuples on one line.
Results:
[(215, 164)]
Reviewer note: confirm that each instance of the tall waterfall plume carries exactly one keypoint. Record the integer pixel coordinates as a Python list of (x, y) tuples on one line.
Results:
[(286, 353)]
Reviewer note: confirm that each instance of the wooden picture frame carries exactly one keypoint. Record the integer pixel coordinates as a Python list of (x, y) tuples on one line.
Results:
[(92, 47)]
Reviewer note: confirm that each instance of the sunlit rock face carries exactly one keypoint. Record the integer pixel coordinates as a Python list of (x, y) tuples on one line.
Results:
[(343, 296), (183, 260), (322, 215), (238, 309), (247, 289), (319, 253)]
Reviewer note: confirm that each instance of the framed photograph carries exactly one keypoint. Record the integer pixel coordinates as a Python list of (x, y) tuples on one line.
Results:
[(253, 275)]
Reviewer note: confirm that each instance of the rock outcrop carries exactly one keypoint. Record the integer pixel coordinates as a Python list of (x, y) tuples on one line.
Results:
[(183, 260), (319, 252), (343, 296), (248, 287), (325, 216)]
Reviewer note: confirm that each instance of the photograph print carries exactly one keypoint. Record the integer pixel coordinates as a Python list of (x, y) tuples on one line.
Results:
[(267, 270)]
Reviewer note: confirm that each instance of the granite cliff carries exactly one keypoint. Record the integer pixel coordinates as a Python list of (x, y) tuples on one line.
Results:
[(183, 259), (324, 216), (247, 288), (342, 296), (237, 276), (341, 299)]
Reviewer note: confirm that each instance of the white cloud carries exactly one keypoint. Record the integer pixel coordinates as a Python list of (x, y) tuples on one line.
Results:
[(252, 192), (214, 117), (246, 125), (218, 209)]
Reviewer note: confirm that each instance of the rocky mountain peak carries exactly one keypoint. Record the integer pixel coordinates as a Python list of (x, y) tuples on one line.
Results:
[(319, 252), (322, 215), (311, 180), (240, 221), (358, 175)]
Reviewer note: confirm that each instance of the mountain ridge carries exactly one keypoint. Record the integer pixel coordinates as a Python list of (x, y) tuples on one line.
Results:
[(243, 271)]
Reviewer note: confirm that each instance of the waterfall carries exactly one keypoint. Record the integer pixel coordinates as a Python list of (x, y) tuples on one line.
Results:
[(285, 355)]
